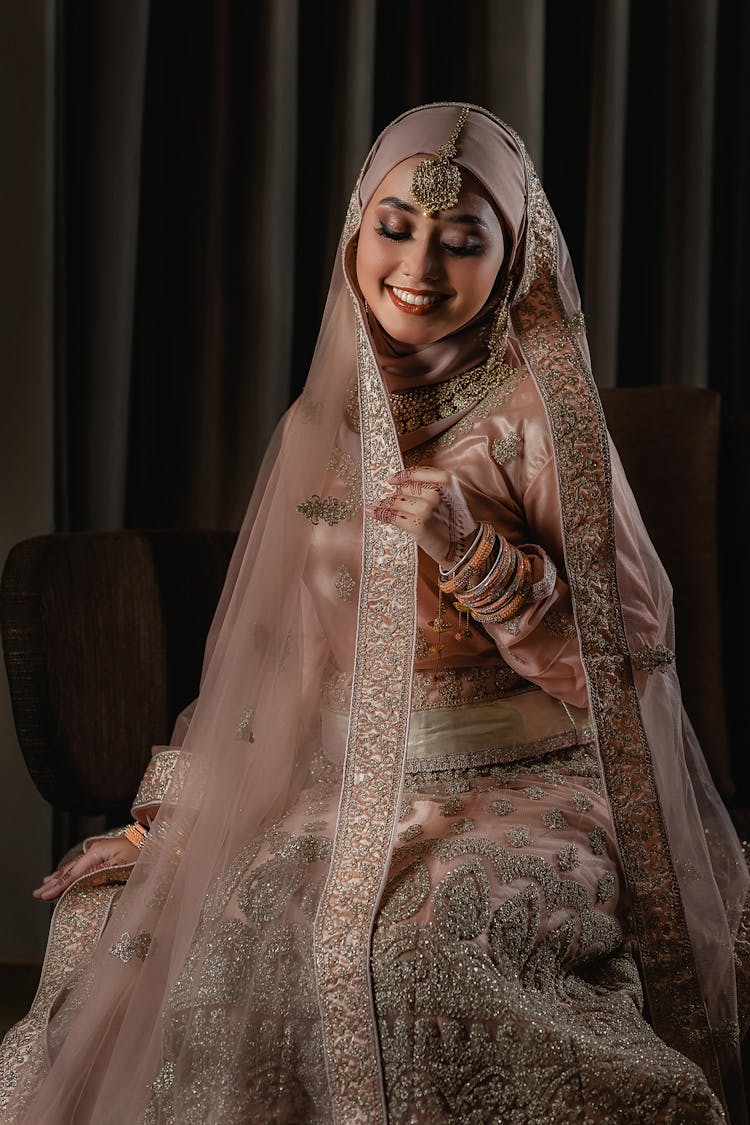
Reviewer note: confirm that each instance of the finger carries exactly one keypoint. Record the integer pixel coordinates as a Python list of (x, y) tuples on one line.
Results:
[(420, 508), (420, 472), (419, 488), (54, 884), (386, 510), (397, 516)]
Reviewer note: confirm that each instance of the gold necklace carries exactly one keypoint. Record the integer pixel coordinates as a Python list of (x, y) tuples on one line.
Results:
[(420, 406)]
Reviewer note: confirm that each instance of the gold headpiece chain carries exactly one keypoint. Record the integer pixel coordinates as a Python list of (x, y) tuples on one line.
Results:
[(436, 183)]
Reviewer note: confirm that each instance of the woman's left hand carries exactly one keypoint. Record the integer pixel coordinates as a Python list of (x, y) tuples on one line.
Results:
[(429, 505)]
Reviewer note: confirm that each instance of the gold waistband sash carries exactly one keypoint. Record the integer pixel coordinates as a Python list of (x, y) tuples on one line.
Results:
[(479, 734)]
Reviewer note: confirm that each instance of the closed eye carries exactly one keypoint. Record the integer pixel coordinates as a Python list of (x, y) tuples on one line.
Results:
[(464, 251), (396, 235)]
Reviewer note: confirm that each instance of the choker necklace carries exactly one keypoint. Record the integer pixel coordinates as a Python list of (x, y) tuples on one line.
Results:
[(421, 406)]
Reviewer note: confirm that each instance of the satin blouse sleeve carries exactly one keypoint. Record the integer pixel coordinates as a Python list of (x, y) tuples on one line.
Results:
[(540, 642)]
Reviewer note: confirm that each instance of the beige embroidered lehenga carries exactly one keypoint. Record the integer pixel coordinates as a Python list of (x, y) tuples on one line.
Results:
[(385, 883)]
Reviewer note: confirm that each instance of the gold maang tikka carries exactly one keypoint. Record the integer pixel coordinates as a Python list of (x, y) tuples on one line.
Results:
[(436, 182)]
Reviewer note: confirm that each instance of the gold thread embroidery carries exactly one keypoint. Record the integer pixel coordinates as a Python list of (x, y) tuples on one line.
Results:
[(559, 623), (568, 858), (128, 947), (519, 836), (648, 659), (373, 767), (331, 509), (503, 449), (549, 341), (344, 584), (483, 408), (156, 779), (420, 406)]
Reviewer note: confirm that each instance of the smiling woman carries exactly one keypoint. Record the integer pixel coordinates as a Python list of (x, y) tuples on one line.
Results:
[(436, 843), (424, 277)]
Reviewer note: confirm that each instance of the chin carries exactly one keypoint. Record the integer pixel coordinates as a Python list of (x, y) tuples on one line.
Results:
[(413, 330)]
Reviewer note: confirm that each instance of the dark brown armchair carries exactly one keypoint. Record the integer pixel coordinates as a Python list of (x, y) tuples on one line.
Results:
[(103, 637)]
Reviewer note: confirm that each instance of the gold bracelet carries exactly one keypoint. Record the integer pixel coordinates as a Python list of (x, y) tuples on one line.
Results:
[(462, 579), (136, 834)]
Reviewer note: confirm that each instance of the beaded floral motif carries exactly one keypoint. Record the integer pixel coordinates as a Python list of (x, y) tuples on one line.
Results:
[(650, 659), (605, 887), (501, 806), (559, 623), (452, 807), (568, 858), (502, 449), (421, 645), (411, 833), (518, 836), (344, 584), (598, 841), (330, 509), (465, 824), (555, 819), (128, 947), (534, 793), (458, 686)]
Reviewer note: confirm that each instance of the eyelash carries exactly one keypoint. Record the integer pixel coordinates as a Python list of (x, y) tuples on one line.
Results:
[(400, 236)]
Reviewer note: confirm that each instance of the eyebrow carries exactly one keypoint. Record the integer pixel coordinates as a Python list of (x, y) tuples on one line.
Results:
[(402, 205)]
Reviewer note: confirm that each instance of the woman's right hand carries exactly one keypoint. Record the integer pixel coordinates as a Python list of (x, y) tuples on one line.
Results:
[(112, 852)]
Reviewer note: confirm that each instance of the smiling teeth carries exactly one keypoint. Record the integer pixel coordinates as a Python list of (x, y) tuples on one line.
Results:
[(414, 299)]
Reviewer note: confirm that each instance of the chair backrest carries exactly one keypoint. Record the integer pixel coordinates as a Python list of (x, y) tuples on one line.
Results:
[(103, 636), (668, 439)]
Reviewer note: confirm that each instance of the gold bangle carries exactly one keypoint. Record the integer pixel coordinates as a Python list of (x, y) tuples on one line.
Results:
[(136, 834), (511, 602), (461, 580)]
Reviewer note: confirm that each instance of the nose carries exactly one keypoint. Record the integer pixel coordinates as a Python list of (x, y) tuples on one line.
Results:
[(421, 261)]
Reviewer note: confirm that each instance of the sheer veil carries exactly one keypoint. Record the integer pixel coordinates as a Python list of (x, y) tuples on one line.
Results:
[(196, 990)]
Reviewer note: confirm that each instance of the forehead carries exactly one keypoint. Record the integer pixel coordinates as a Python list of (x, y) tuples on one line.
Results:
[(397, 184)]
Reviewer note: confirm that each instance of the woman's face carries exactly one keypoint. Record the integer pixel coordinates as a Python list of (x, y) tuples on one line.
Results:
[(424, 278)]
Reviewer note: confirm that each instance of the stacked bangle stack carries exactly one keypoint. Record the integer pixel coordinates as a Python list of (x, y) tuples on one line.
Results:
[(137, 834), (502, 591)]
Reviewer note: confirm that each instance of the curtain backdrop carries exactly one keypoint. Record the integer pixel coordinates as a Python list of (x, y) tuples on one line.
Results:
[(205, 152)]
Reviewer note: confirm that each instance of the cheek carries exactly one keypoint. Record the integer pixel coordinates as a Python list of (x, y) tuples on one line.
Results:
[(476, 281), (373, 261)]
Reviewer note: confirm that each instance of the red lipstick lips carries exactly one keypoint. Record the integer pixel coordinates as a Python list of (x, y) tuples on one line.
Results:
[(421, 303)]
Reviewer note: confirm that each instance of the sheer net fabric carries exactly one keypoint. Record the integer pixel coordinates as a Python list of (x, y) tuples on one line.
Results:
[(324, 933)]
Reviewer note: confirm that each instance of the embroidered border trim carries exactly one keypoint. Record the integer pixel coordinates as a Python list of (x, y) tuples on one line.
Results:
[(155, 780), (80, 916), (576, 421), (373, 765), (501, 755)]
